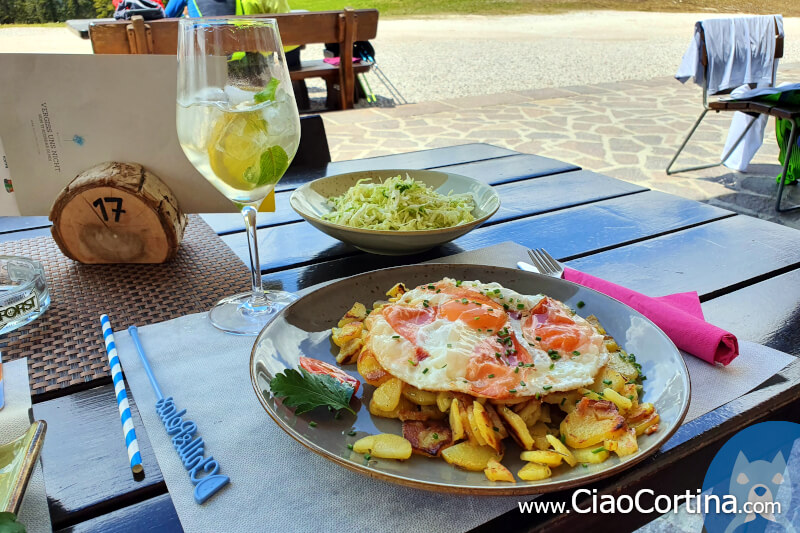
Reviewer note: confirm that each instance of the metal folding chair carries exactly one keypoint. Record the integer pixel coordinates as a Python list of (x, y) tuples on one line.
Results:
[(707, 107)]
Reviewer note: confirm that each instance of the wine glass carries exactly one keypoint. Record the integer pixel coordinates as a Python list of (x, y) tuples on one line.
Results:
[(238, 125)]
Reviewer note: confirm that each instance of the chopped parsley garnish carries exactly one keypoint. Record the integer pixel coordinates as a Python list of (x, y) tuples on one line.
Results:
[(435, 436), (464, 301), (412, 363), (349, 446), (516, 370), (580, 304), (431, 287), (497, 291), (425, 303), (520, 363), (312, 424), (496, 428), (367, 456), (522, 383), (547, 387), (563, 438), (505, 306), (607, 381), (552, 366), (449, 345), (576, 353), (538, 338), (395, 336), (553, 355), (491, 375), (598, 450), (425, 371), (585, 465), (458, 283), (352, 433), (563, 400), (497, 354), (520, 306), (538, 395), (512, 391)]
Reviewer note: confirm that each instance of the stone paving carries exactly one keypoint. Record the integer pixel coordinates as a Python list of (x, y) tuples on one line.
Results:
[(628, 130)]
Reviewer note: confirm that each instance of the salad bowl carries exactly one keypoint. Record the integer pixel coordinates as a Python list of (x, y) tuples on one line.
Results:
[(311, 201)]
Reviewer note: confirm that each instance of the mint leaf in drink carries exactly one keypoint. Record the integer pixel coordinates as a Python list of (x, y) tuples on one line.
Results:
[(268, 94), (305, 391)]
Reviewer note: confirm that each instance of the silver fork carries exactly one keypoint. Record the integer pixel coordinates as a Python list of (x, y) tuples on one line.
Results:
[(545, 263)]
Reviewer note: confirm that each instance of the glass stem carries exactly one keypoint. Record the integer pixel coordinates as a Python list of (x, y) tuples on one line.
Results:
[(257, 297)]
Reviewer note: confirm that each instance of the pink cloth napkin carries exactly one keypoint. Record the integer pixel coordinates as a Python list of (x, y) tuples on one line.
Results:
[(335, 60), (678, 315)]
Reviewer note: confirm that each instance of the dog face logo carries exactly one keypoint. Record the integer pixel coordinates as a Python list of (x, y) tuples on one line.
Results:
[(757, 481), (755, 471)]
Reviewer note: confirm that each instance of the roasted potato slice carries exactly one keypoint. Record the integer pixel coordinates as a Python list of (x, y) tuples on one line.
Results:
[(588, 455), (473, 426), (349, 352), (594, 321), (539, 431), (608, 378), (419, 397), (396, 292), (517, 428), (486, 426), (592, 422), (623, 363), (394, 413), (510, 401), (622, 403), (420, 412), (456, 421), (444, 400), (559, 447), (498, 423), (384, 445), (647, 425), (351, 330), (427, 438), (624, 445), (387, 396), (534, 472), (566, 401), (543, 457), (370, 369), (470, 457), (356, 313), (530, 412), (495, 471)]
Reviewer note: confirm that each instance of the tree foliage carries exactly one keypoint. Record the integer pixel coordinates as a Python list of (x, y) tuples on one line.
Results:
[(40, 11)]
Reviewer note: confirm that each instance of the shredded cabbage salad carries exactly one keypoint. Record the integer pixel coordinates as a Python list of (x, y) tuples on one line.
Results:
[(399, 203)]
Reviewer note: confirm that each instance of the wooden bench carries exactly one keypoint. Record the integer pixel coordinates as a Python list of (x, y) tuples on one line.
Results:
[(342, 27)]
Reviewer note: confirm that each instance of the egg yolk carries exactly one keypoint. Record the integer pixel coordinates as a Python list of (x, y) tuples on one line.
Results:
[(483, 316)]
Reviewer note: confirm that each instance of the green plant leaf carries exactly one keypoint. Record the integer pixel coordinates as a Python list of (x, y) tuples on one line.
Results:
[(305, 391), (268, 94)]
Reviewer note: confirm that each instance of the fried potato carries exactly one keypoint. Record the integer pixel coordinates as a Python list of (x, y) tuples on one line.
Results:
[(498, 423), (647, 425), (427, 438), (495, 471), (566, 401), (419, 397), (486, 427), (594, 321), (544, 414), (349, 352), (356, 313), (387, 396), (588, 455), (371, 370), (444, 400), (531, 413), (456, 421), (394, 413), (559, 447), (470, 457), (624, 445), (465, 407), (534, 472), (539, 431), (396, 292), (517, 428), (619, 361), (351, 330), (622, 403), (543, 457), (384, 445), (510, 401), (608, 378), (592, 422), (413, 411), (473, 426)]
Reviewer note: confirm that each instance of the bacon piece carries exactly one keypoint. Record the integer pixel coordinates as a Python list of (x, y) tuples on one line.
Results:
[(427, 438)]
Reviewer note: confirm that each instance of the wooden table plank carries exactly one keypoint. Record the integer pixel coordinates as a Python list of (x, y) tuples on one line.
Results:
[(492, 172), (712, 259), (767, 312), (300, 243), (87, 471), (156, 514), (568, 232)]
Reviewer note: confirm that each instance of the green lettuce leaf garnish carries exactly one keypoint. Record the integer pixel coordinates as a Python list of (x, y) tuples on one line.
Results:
[(308, 391)]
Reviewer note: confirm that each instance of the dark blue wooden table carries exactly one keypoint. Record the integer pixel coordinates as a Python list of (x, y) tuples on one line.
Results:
[(746, 270)]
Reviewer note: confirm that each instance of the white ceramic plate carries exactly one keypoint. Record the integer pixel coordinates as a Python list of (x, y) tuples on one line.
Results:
[(311, 202)]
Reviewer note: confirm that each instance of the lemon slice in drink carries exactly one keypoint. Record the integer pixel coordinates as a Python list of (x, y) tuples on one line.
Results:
[(235, 147)]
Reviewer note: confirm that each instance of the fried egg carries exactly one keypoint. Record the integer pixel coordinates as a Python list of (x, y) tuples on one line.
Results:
[(485, 340)]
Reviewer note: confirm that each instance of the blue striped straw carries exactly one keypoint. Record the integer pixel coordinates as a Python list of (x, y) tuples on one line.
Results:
[(122, 397)]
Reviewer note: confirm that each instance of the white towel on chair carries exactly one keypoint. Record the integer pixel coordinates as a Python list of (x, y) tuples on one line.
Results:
[(741, 52)]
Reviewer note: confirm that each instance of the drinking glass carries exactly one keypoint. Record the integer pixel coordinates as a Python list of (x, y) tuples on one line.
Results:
[(238, 125)]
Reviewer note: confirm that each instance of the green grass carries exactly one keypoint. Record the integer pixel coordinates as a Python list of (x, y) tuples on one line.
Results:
[(511, 7)]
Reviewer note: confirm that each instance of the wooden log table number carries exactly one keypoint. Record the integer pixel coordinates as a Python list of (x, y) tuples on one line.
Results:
[(117, 213)]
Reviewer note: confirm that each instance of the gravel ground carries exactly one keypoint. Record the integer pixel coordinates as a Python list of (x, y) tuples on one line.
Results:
[(452, 56)]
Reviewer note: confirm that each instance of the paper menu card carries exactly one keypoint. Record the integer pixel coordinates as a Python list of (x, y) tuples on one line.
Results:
[(62, 114)]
